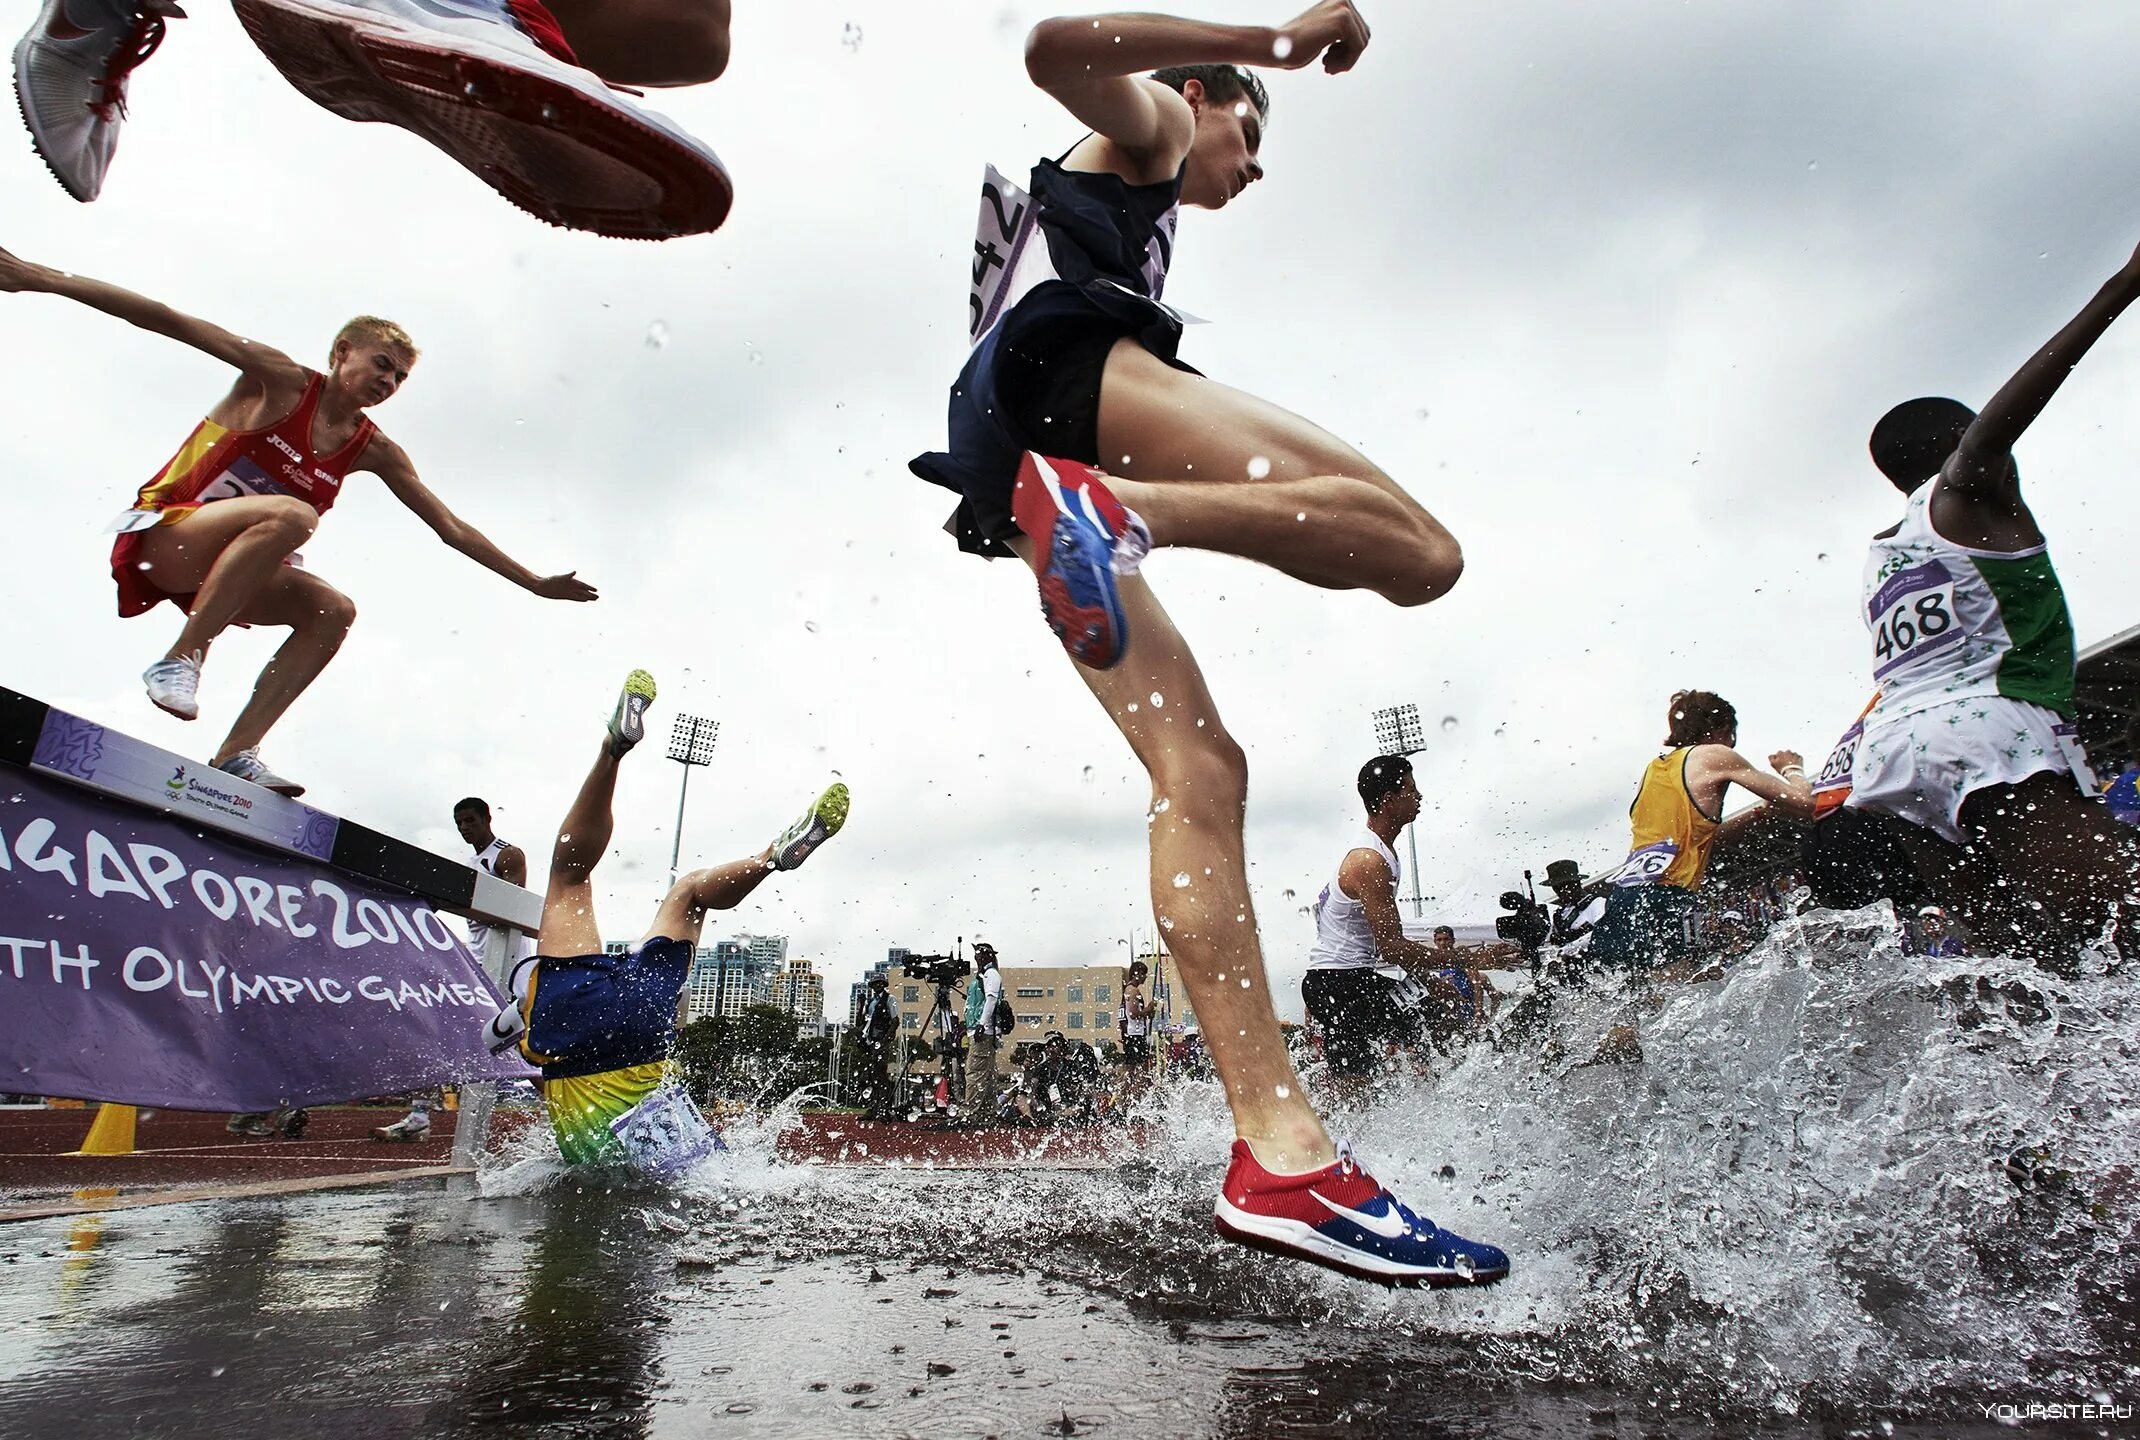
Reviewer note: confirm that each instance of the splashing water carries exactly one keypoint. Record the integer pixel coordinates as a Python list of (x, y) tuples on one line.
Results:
[(1840, 1176)]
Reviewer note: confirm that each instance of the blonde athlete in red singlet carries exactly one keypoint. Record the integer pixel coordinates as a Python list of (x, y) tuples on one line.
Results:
[(216, 532)]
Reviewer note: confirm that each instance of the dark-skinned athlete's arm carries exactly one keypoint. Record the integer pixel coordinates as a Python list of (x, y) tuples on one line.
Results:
[(1366, 877), (390, 463), (263, 364), (1096, 64), (1981, 469)]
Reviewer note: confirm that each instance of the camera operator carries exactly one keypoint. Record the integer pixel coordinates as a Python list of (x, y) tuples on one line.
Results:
[(1577, 907), (1526, 926), (984, 995), (877, 1029), (942, 1024)]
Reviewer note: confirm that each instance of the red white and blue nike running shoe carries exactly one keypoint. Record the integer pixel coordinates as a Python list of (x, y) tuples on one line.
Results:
[(1341, 1218), (1083, 538)]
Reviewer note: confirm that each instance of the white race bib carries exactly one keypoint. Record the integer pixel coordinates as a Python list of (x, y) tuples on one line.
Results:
[(1005, 224), (1647, 865), (1912, 614)]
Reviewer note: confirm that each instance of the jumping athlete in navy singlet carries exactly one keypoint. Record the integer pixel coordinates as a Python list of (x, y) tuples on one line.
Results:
[(1073, 365)]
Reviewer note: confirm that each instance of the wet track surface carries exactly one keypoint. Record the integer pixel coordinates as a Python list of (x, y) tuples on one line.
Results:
[(415, 1312)]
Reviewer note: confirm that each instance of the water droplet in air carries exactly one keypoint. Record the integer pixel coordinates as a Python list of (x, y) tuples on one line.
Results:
[(1281, 47), (1088, 774), (1822, 557), (657, 335), (1159, 701), (1285, 1092), (1131, 707), (1448, 723), (1181, 879), (1813, 164), (811, 626), (851, 37), (1258, 467)]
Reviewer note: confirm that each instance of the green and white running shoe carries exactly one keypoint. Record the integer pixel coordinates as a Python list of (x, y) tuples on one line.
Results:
[(818, 824), (627, 726)]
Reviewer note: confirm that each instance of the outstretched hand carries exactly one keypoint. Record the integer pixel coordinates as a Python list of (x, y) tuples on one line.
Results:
[(1332, 30), (17, 275), (567, 586)]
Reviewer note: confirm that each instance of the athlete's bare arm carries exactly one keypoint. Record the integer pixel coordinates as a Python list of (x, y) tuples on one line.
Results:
[(513, 866), (1366, 877), (1096, 66), (1712, 769), (268, 379), (1979, 498), (390, 463)]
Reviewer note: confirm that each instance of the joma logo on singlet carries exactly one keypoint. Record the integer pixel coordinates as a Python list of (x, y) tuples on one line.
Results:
[(287, 448)]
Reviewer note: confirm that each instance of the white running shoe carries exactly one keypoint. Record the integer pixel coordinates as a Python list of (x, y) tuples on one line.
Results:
[(504, 1029), (71, 72), (247, 765), (413, 1126), (174, 686), (496, 87), (627, 723), (818, 824)]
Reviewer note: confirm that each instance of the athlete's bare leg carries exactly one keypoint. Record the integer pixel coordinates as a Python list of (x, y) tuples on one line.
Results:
[(319, 617), (1199, 798), (1179, 450), (647, 42), (720, 887), (568, 923), (225, 555)]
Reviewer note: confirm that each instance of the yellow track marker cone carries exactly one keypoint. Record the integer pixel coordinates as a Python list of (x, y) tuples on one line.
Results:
[(111, 1133)]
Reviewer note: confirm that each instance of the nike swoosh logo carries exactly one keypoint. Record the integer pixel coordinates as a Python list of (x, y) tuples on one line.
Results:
[(1389, 1225)]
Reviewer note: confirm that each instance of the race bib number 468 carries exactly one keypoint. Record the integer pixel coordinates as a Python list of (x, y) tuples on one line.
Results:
[(1912, 615)]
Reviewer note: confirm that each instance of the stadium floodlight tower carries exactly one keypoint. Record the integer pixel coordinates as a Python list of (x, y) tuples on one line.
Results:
[(690, 743), (1398, 732)]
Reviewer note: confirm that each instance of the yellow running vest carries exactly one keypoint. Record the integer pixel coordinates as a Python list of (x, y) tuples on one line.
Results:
[(1672, 837)]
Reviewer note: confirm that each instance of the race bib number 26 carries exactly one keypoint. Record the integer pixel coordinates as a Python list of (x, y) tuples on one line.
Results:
[(1911, 615), (1647, 865), (1000, 233)]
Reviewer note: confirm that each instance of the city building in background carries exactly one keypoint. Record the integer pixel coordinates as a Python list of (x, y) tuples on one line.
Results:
[(799, 990)]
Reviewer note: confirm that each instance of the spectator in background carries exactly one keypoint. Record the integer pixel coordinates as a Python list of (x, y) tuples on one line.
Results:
[(984, 993), (1134, 1019), (877, 1028), (1934, 938)]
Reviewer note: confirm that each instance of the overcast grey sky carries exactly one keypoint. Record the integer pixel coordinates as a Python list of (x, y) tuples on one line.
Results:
[(1617, 291)]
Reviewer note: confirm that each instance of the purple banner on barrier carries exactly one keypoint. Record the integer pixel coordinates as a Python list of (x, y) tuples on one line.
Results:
[(144, 961)]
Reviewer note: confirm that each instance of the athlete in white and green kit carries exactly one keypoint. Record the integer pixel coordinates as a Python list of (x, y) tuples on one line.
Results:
[(1971, 741)]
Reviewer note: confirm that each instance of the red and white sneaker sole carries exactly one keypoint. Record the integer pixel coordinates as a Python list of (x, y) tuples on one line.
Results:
[(561, 146)]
